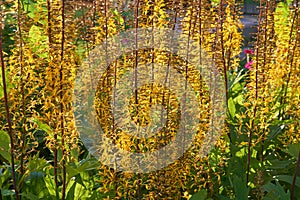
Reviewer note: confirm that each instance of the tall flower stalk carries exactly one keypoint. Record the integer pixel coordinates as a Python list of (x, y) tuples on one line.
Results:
[(8, 118)]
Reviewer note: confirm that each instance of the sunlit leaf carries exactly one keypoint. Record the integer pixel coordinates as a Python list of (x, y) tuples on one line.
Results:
[(4, 145)]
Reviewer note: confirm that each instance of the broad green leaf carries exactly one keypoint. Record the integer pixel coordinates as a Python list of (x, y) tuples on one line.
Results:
[(34, 185), (8, 84), (4, 177), (88, 164), (43, 127), (236, 89), (71, 171), (231, 107), (50, 184), (239, 99), (241, 152), (289, 179), (274, 131), (71, 192), (200, 195), (277, 164), (221, 197), (240, 188), (38, 41), (4, 145), (29, 195), (7, 192), (275, 192), (79, 180), (293, 150)]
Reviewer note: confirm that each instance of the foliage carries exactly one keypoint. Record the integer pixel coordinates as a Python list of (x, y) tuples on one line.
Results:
[(44, 43)]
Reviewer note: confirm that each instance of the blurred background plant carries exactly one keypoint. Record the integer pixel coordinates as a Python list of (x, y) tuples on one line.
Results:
[(44, 42)]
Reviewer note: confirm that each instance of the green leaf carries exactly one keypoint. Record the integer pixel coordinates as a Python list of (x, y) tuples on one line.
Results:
[(236, 89), (118, 17), (275, 192), (4, 145), (289, 179), (200, 195), (29, 195), (234, 85), (8, 84), (6, 192), (240, 188), (43, 127), (215, 2), (38, 41), (88, 164), (50, 184), (71, 192), (4, 177), (34, 185), (71, 171), (231, 107), (278, 164), (239, 99), (221, 197), (79, 180), (293, 150), (35, 11), (274, 131), (36, 164)]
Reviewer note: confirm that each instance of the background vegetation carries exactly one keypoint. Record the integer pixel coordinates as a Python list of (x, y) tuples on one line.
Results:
[(44, 42)]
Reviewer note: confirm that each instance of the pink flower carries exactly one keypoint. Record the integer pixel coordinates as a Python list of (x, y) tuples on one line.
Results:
[(249, 51), (249, 64)]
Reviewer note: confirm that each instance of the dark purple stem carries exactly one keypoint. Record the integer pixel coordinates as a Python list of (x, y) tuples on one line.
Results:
[(10, 132), (61, 75)]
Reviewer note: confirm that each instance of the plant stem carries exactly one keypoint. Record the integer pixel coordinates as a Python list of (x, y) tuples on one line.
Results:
[(94, 21), (136, 13), (223, 56), (187, 57), (221, 21), (49, 32), (295, 177), (61, 75), (22, 91), (10, 132), (256, 92)]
